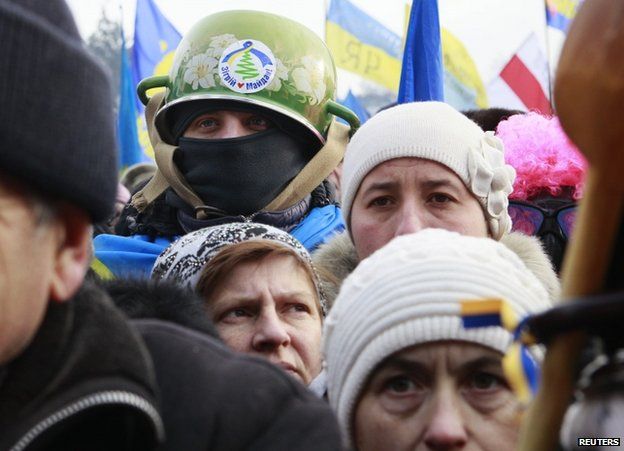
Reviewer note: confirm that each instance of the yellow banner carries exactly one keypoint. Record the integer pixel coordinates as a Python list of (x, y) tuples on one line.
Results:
[(367, 61)]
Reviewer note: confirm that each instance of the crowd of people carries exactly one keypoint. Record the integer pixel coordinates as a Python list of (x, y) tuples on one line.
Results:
[(277, 279)]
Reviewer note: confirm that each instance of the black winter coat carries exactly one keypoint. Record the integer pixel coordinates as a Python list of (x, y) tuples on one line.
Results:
[(84, 383), (211, 397)]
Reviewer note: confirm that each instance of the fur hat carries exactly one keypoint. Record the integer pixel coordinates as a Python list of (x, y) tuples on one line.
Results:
[(410, 292), (184, 260), (433, 131), (56, 120)]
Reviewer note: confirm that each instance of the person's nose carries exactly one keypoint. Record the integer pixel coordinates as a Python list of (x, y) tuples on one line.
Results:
[(445, 430), (270, 332), (233, 127), (410, 220)]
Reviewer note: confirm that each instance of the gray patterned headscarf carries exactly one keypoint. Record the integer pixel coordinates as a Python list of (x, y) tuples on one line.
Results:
[(184, 260)]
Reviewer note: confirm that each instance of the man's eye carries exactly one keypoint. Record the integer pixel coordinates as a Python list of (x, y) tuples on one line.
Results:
[(259, 122), (207, 123)]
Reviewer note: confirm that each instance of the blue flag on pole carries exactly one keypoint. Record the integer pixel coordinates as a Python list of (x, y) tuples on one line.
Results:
[(129, 150), (422, 74), (155, 42)]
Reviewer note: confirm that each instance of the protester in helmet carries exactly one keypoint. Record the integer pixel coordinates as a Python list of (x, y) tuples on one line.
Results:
[(260, 290), (244, 131), (404, 370), (424, 165), (550, 179)]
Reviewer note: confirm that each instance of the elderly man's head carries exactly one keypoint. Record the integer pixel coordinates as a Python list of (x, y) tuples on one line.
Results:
[(423, 165), (57, 171), (403, 371)]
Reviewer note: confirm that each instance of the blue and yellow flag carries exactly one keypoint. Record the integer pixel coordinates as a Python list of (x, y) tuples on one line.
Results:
[(422, 73), (155, 42), (559, 13), (129, 150), (362, 45)]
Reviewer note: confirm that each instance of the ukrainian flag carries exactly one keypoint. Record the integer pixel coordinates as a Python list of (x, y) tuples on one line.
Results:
[(155, 42), (559, 13), (362, 45), (127, 137)]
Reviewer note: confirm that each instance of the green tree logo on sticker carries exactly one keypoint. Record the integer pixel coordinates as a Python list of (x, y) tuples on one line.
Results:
[(247, 66)]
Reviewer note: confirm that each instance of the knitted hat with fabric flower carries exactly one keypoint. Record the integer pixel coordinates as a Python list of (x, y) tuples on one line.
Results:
[(433, 131)]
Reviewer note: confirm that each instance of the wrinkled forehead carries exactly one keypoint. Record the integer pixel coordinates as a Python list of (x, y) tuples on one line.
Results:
[(415, 170), (449, 356)]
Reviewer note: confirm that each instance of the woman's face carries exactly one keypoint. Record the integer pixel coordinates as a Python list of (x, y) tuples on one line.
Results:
[(406, 195), (270, 308), (444, 395)]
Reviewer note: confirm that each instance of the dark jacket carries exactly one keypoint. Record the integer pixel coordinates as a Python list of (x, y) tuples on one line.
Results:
[(211, 397), (84, 383)]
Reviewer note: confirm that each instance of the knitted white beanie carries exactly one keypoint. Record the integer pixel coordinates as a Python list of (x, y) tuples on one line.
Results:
[(409, 292), (433, 131)]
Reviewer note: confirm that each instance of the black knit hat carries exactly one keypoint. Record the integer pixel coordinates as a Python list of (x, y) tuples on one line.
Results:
[(56, 107)]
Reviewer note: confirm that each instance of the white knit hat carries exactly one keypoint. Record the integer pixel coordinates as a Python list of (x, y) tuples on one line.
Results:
[(433, 131), (409, 292)]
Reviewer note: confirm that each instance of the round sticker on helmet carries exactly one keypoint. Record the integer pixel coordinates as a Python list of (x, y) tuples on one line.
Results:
[(247, 66)]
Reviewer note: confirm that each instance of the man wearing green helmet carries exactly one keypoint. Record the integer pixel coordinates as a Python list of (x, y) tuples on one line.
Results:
[(243, 131)]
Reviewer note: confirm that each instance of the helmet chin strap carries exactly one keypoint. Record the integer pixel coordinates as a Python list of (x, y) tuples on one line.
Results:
[(317, 170), (168, 175)]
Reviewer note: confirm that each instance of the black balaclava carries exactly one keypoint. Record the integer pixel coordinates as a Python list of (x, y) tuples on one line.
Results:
[(240, 176)]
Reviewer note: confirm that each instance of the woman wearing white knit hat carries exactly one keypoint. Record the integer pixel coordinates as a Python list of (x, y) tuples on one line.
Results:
[(402, 371), (424, 165)]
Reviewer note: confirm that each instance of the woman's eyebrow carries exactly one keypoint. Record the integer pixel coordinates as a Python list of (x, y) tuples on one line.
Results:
[(432, 184), (379, 186), (478, 363), (403, 364)]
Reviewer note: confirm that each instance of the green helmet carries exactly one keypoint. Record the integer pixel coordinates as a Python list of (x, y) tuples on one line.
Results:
[(256, 59)]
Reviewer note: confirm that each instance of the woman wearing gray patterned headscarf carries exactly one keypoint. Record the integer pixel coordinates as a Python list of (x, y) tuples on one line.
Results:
[(261, 291)]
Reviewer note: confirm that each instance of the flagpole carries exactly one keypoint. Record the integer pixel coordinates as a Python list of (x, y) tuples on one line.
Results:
[(548, 59)]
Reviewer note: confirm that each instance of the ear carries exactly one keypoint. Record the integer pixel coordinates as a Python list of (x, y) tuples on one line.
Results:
[(73, 252)]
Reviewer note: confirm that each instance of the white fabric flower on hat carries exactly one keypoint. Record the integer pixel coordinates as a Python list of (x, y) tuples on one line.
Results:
[(492, 179), (309, 79), (200, 71)]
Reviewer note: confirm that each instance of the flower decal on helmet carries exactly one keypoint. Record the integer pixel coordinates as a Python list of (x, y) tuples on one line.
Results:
[(219, 43), (309, 80), (281, 73), (200, 71)]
